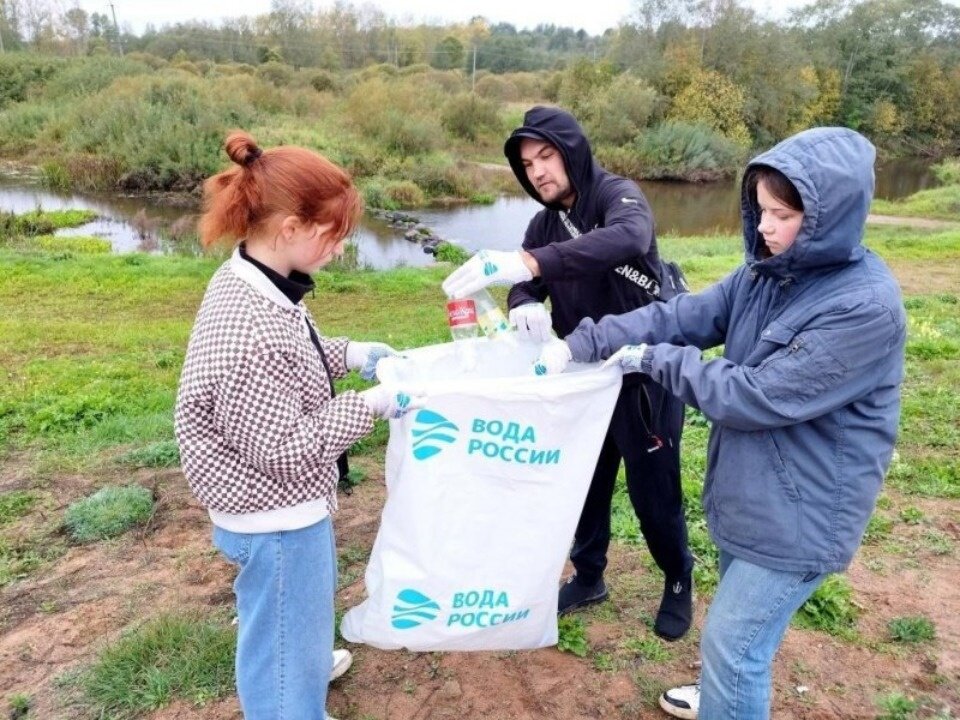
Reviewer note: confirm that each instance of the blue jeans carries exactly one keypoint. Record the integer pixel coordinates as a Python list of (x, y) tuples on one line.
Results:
[(285, 595), (744, 627)]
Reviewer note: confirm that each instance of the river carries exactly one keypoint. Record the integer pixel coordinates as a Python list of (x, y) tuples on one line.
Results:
[(141, 223)]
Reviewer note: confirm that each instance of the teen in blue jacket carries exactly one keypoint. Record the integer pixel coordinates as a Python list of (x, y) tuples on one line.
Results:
[(592, 251), (804, 403)]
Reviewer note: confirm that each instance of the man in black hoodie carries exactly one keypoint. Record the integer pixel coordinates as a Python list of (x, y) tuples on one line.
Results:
[(592, 251)]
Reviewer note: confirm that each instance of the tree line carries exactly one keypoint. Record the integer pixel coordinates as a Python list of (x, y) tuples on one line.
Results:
[(886, 67)]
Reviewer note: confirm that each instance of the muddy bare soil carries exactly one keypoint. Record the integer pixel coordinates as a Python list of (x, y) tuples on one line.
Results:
[(57, 619)]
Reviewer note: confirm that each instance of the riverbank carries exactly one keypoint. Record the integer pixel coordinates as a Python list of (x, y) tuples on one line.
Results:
[(92, 349)]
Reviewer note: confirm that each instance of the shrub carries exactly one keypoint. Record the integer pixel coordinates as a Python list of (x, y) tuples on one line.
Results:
[(21, 72), (675, 151), (323, 81), (948, 172), (830, 608), (911, 629), (495, 87), (108, 512), (466, 116), (167, 128), (275, 73), (454, 254), (398, 113), (404, 193), (572, 635), (617, 112)]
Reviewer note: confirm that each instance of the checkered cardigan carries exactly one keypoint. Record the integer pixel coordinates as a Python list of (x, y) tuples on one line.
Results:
[(255, 421)]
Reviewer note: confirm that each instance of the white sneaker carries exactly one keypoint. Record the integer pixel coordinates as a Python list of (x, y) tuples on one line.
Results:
[(342, 660), (682, 702)]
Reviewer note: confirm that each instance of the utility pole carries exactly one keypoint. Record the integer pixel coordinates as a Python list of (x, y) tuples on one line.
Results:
[(116, 29), (473, 75)]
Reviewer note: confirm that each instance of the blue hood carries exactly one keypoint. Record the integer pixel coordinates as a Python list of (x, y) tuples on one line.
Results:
[(832, 169)]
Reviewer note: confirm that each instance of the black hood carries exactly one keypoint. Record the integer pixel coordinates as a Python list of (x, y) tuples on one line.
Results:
[(560, 129)]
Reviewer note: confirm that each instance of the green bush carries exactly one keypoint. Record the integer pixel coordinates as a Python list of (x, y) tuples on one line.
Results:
[(275, 73), (21, 72), (399, 113), (404, 194), (164, 132), (911, 629), (675, 151), (448, 252), (108, 512), (948, 171), (616, 113), (323, 81), (467, 116), (572, 636), (830, 608)]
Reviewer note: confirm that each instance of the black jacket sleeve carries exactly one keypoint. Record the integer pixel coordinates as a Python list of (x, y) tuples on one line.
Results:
[(626, 232)]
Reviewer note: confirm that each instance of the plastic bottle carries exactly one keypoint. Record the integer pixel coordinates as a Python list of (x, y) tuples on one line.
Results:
[(479, 311), (489, 315), (462, 318)]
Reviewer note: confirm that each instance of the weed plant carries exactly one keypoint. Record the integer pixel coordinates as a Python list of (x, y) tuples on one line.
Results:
[(830, 608), (162, 454), (109, 512), (170, 657), (914, 629), (572, 635)]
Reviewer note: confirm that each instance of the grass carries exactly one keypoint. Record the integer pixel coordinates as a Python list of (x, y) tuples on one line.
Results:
[(109, 512), (942, 203), (830, 609), (93, 345), (915, 629), (172, 656)]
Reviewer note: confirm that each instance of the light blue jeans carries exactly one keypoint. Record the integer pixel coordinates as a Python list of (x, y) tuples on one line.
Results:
[(285, 595), (744, 627)]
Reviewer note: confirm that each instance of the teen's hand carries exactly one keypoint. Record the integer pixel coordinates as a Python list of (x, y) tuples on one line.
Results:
[(487, 267), (532, 322), (364, 356), (390, 403), (628, 358), (553, 359)]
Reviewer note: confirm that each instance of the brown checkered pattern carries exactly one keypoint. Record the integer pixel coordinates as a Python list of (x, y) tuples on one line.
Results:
[(255, 421)]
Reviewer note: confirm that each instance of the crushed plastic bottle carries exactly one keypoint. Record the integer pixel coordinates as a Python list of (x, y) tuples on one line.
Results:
[(474, 313)]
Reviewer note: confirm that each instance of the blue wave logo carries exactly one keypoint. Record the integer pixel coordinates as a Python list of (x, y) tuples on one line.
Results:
[(412, 609), (431, 432)]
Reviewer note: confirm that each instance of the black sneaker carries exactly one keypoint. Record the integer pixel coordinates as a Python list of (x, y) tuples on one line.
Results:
[(676, 609), (574, 596)]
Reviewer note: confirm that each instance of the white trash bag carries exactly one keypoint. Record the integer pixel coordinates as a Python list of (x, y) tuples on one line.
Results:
[(485, 485)]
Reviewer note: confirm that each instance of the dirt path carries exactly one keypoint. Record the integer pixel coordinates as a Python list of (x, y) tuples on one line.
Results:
[(56, 621), (914, 222)]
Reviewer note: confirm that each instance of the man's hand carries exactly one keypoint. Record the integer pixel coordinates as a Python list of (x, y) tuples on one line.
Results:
[(628, 358), (364, 357), (532, 322), (390, 403), (553, 359), (487, 267)]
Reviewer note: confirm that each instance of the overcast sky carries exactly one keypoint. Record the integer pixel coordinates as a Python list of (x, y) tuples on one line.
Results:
[(593, 17)]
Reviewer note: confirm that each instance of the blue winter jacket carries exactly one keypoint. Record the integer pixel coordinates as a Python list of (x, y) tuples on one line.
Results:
[(805, 401)]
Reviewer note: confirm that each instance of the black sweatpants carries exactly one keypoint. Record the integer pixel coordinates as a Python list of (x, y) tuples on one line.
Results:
[(645, 432)]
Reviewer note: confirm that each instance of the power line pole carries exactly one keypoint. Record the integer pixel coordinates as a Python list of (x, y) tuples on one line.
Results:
[(116, 29), (473, 75)]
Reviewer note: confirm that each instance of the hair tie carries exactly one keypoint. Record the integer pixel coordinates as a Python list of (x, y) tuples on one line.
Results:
[(252, 155)]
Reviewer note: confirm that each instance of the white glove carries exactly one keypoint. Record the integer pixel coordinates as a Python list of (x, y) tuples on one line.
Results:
[(628, 358), (553, 359), (487, 267), (388, 402), (363, 356), (532, 322)]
